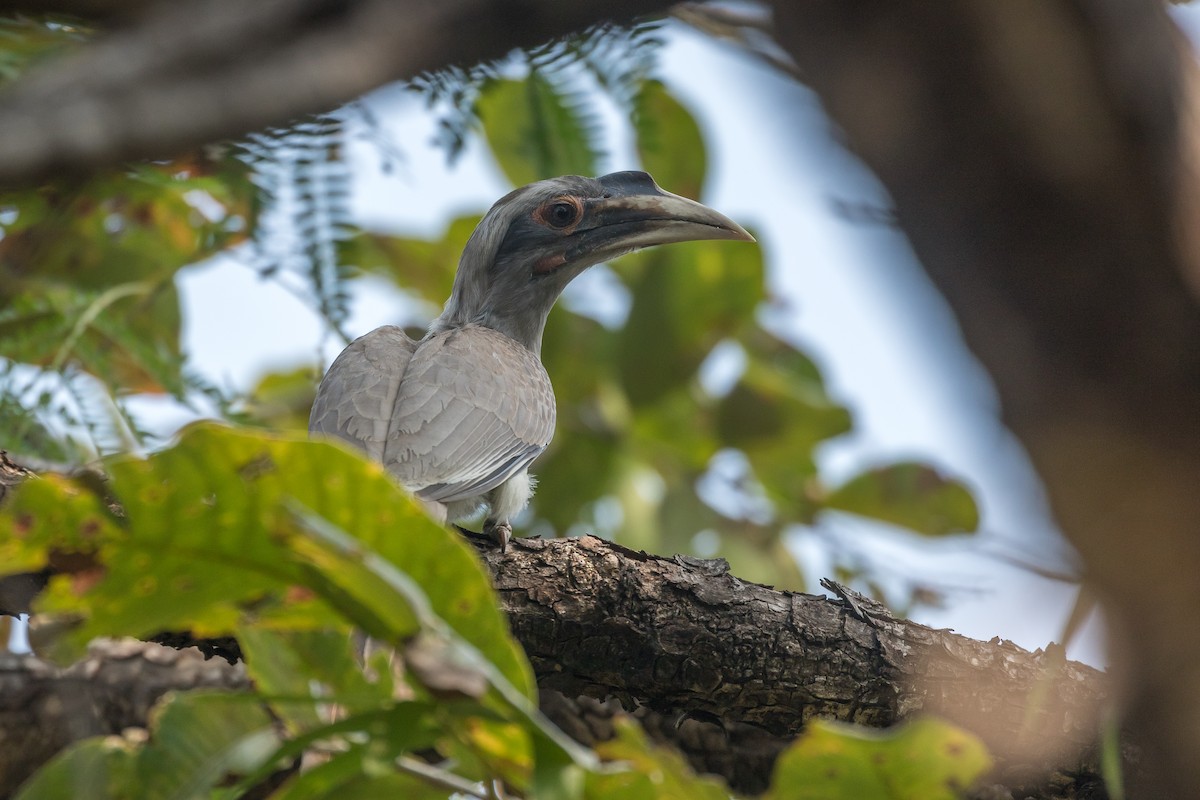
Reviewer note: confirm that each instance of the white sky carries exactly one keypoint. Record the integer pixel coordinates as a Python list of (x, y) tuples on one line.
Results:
[(855, 299)]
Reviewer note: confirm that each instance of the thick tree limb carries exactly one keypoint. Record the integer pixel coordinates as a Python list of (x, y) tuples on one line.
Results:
[(687, 639), (727, 670)]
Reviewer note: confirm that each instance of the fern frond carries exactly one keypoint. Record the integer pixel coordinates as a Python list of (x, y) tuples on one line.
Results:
[(304, 184), (614, 59)]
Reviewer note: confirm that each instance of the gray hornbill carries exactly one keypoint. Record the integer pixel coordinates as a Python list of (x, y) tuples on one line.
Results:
[(458, 416)]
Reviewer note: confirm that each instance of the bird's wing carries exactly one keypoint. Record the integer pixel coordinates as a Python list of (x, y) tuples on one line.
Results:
[(357, 395), (474, 409)]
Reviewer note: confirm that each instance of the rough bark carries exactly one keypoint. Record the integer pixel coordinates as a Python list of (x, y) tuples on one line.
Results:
[(687, 640), (726, 670)]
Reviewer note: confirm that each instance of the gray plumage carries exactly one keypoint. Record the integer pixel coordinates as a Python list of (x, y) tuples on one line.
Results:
[(459, 416)]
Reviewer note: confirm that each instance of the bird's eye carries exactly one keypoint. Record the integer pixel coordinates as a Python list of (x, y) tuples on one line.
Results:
[(560, 214)]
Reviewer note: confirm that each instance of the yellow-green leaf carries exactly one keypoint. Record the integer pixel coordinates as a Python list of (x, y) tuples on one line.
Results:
[(922, 760), (204, 540)]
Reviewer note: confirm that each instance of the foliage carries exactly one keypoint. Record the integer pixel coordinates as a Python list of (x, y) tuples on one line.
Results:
[(89, 314), (289, 545), (923, 760), (27, 39), (88, 308)]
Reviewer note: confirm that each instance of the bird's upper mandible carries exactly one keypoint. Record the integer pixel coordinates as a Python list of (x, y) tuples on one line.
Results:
[(458, 416)]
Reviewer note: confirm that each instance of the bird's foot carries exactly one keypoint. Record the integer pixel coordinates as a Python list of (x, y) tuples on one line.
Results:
[(499, 532)]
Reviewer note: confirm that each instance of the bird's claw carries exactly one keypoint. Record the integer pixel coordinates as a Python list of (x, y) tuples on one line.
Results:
[(499, 532)]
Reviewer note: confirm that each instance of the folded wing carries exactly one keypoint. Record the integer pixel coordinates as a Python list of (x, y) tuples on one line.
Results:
[(474, 409), (358, 394)]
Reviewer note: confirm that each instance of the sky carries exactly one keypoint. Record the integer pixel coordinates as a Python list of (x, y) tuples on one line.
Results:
[(852, 295)]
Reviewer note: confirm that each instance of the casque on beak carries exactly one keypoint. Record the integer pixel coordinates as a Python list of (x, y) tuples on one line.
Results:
[(637, 213)]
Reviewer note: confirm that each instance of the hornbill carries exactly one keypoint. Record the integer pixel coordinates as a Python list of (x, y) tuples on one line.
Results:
[(458, 416)]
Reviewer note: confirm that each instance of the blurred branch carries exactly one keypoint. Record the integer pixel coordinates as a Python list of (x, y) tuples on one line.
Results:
[(749, 27), (188, 73), (691, 642)]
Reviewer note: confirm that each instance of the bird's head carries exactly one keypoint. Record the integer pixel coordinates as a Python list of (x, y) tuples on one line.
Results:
[(535, 239)]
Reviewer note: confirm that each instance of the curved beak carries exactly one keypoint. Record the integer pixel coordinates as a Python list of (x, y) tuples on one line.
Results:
[(637, 213)]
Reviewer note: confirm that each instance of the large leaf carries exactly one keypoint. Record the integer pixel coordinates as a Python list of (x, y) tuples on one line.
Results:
[(197, 739), (358, 775), (201, 539), (441, 659), (922, 760), (302, 671), (686, 298), (92, 769), (655, 773), (535, 131), (669, 141), (913, 496)]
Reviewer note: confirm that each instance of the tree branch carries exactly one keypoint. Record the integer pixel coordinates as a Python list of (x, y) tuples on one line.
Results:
[(188, 73), (686, 639), (726, 670)]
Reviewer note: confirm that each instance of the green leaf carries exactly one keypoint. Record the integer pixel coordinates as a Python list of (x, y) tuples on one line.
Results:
[(359, 774), (654, 773), (282, 400), (669, 141), (91, 769), (777, 413), (203, 540), (380, 735), (535, 131), (198, 739), (140, 224), (497, 744), (51, 512), (910, 495), (301, 672), (922, 760), (686, 298), (593, 418)]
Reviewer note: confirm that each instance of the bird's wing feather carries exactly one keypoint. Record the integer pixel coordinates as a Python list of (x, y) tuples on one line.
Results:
[(474, 409), (357, 394)]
